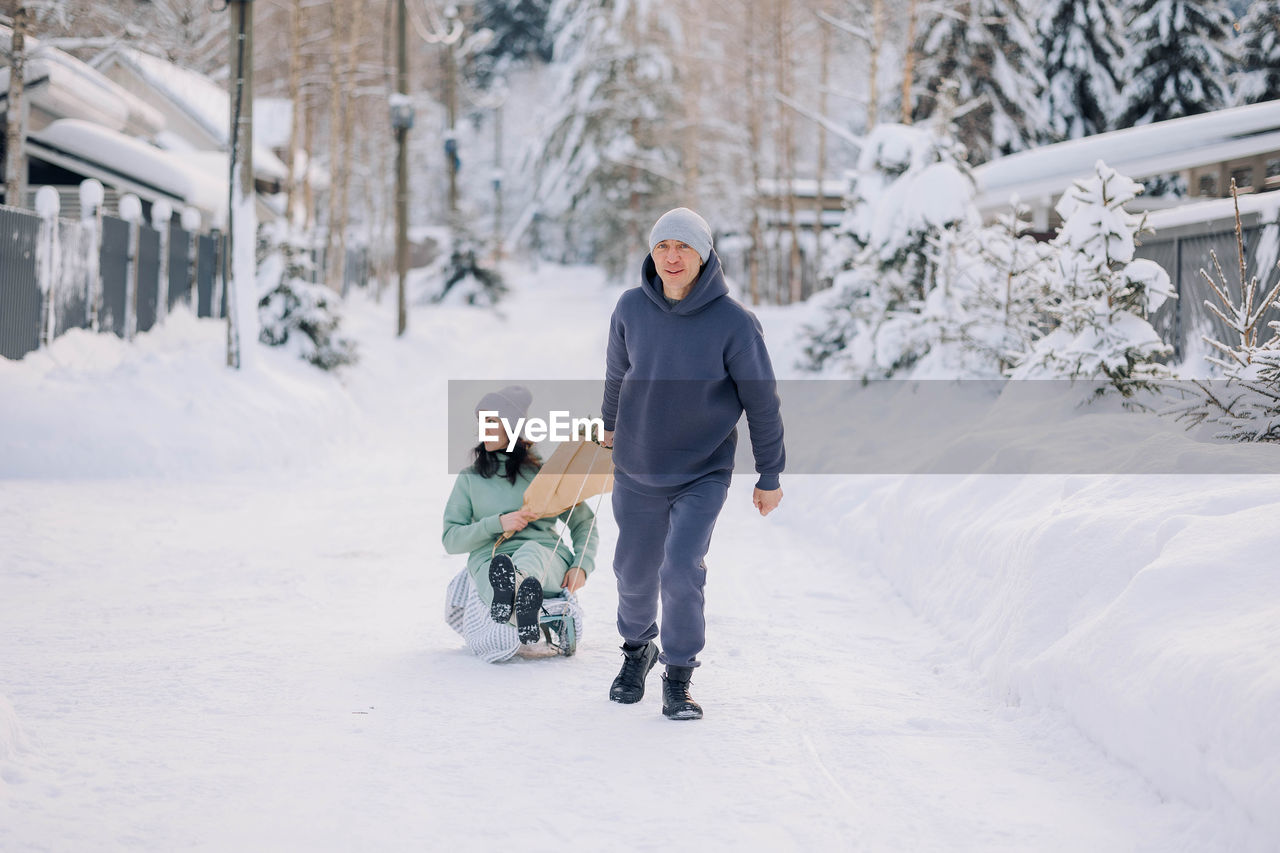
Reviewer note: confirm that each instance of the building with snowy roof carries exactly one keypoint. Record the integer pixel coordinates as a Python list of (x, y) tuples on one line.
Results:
[(1206, 151), (196, 110), (154, 135)]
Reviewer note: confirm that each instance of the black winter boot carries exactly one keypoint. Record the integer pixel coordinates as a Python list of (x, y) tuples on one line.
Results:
[(677, 704), (502, 577), (628, 687), (528, 606)]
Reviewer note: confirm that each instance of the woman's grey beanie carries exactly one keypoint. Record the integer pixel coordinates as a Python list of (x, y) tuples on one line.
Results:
[(686, 226), (511, 403)]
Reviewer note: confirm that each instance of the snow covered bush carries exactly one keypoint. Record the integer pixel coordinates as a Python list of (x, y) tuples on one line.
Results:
[(1246, 406), (909, 186), (303, 316), (464, 280), (991, 284), (1102, 296), (294, 312), (920, 286)]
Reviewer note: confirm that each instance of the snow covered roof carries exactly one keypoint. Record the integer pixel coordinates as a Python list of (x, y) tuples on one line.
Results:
[(202, 100), (62, 86), (1265, 205), (1138, 152), (129, 164)]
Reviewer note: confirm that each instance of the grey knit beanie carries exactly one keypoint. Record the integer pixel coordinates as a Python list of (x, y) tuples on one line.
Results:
[(511, 403), (686, 226)]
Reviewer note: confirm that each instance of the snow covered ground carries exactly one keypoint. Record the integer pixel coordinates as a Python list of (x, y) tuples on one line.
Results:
[(220, 628)]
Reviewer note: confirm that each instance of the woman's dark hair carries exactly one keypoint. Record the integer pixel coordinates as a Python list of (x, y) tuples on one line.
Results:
[(523, 455)]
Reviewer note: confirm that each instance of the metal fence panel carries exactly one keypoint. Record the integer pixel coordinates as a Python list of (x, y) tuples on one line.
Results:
[(20, 301), (113, 313), (1187, 319), (71, 290), (179, 266), (206, 274), (1262, 251), (1167, 320), (148, 277)]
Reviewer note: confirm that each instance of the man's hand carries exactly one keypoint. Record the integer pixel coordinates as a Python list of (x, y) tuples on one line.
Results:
[(606, 438), (574, 579), (766, 502), (514, 522)]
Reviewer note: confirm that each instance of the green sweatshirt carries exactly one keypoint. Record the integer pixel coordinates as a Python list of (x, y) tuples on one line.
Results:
[(472, 526)]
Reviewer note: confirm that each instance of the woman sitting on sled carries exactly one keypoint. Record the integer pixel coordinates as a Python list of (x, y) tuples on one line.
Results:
[(515, 559)]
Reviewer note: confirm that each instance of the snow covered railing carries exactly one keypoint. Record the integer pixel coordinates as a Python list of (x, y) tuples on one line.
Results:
[(103, 273)]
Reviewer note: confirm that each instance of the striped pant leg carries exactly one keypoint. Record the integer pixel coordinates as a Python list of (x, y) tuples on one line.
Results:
[(469, 616)]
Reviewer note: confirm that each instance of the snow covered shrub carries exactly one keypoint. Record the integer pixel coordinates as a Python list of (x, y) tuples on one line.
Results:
[(1246, 406), (1102, 296), (910, 185), (464, 280), (920, 286), (991, 284), (302, 315)]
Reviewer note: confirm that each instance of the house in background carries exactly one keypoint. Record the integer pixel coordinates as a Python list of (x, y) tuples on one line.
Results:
[(197, 116), (156, 137), (1206, 151)]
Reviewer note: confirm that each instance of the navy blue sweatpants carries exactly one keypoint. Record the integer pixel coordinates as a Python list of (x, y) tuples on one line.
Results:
[(661, 543)]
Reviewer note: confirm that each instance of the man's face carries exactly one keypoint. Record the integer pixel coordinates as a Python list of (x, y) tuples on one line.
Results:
[(678, 263)]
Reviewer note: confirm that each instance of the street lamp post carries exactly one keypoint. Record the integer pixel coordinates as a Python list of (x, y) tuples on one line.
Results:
[(401, 123)]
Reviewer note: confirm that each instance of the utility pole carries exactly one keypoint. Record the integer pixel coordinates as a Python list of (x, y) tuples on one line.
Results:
[(451, 105), (238, 277), (497, 183), (401, 122), (15, 167)]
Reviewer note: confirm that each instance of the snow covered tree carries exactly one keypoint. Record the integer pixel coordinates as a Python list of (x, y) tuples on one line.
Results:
[(1246, 406), (1259, 76), (1103, 296), (463, 279), (520, 34), (991, 285), (1179, 62), (610, 164), (1084, 48), (910, 185), (992, 54)]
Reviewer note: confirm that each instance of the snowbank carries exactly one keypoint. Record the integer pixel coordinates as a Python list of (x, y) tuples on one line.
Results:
[(1146, 608), (92, 406)]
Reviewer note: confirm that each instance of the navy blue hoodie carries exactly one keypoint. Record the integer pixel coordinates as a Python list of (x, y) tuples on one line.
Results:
[(677, 380)]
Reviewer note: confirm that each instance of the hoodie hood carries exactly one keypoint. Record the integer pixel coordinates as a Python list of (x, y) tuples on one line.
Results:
[(709, 286)]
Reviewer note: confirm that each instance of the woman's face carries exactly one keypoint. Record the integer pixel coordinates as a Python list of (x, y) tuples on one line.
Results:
[(494, 427)]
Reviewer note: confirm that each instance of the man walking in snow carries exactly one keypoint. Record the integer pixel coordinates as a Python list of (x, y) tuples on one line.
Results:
[(684, 361)]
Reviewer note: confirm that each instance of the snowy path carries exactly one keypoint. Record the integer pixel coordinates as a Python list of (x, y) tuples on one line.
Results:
[(257, 661)]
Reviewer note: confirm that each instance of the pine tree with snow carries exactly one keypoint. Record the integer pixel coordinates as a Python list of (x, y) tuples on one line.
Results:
[(520, 35), (1084, 49), (910, 184), (1179, 62), (991, 287), (1246, 405), (1259, 76), (609, 166), (1103, 295), (992, 54)]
